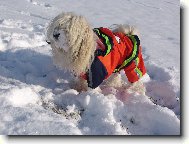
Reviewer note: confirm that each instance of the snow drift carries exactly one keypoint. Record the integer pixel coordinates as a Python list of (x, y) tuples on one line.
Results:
[(35, 97)]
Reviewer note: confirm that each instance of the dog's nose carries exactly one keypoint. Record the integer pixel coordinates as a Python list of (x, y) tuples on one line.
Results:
[(56, 36), (48, 42)]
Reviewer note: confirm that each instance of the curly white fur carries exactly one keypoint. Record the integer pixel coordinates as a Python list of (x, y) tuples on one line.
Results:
[(126, 29), (79, 39)]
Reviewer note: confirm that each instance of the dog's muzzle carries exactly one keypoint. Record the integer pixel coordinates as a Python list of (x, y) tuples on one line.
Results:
[(56, 36), (48, 42)]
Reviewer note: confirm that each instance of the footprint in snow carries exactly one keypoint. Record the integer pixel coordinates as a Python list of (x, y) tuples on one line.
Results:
[(160, 88)]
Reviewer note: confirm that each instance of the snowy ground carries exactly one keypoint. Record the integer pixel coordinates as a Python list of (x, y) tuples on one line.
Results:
[(35, 98)]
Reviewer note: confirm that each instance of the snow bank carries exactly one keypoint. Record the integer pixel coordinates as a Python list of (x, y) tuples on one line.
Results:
[(98, 114), (35, 96), (2, 45), (150, 119)]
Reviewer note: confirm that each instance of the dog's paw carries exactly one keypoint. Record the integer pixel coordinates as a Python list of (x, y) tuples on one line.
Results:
[(137, 87)]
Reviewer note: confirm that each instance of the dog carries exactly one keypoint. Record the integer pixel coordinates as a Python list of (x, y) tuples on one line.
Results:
[(95, 56)]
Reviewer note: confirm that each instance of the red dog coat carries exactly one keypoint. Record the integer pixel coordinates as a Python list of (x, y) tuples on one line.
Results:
[(115, 51)]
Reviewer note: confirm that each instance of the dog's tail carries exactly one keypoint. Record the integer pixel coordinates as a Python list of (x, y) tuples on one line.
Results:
[(126, 29)]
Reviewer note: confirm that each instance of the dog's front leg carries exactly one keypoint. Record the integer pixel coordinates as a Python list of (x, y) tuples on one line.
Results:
[(79, 84)]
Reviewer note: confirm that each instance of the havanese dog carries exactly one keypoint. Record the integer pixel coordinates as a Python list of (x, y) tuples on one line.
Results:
[(96, 56)]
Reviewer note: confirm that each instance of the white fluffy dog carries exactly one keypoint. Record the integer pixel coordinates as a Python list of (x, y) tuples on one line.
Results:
[(73, 45)]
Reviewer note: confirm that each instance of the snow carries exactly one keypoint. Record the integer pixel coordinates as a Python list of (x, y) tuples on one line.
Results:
[(35, 97), (22, 97)]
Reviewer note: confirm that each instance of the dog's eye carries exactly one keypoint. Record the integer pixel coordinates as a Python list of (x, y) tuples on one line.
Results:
[(56, 35)]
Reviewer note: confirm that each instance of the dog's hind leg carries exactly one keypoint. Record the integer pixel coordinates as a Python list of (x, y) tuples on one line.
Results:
[(114, 80)]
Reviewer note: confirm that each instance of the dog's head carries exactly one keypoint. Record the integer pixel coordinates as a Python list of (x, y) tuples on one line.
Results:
[(72, 41)]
